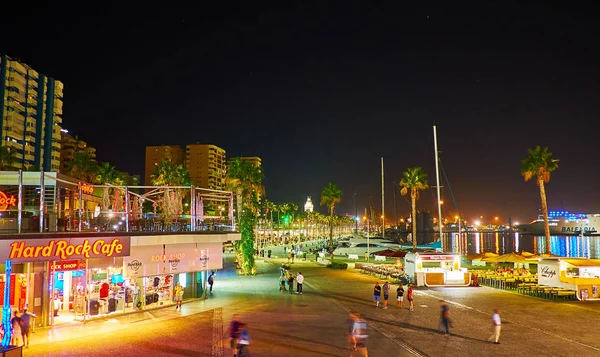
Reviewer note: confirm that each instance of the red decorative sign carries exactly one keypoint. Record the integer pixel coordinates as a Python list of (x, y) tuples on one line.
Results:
[(29, 250), (85, 188), (6, 202), (437, 257), (68, 265)]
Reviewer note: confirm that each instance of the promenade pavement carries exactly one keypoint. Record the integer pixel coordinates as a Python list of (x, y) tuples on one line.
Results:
[(314, 324), (281, 324)]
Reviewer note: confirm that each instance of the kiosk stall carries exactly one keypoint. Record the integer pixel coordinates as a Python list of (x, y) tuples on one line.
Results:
[(436, 269), (579, 274)]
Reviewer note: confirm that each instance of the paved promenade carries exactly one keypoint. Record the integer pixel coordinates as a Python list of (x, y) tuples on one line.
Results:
[(314, 324)]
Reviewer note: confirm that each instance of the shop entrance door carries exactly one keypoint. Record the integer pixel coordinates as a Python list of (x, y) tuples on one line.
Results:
[(68, 291)]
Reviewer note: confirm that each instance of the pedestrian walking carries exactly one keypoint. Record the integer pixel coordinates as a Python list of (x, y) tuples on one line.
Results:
[(299, 282), (211, 280), (290, 282), (244, 341), (26, 326), (234, 333), (178, 295), (357, 335), (386, 294), (366, 256), (293, 255), (377, 294), (282, 280), (409, 297), (17, 337), (444, 318), (495, 337), (400, 295)]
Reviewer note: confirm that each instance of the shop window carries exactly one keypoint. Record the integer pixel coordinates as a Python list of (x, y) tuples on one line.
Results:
[(183, 280)]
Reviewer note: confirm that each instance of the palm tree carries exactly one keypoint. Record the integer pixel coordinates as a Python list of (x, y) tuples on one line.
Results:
[(107, 175), (8, 158), (331, 195), (245, 180), (539, 163), (415, 180), (83, 167), (167, 173)]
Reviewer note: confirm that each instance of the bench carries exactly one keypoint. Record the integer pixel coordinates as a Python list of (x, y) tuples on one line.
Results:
[(380, 258), (565, 294), (353, 256)]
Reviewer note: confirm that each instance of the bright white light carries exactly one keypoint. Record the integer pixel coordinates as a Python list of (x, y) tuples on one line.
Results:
[(182, 280), (115, 226), (516, 223), (477, 223)]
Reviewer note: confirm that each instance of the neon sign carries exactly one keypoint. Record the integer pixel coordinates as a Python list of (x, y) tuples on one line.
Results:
[(28, 250), (85, 188), (6, 202)]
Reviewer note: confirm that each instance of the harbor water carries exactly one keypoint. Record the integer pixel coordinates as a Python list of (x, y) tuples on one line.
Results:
[(506, 242)]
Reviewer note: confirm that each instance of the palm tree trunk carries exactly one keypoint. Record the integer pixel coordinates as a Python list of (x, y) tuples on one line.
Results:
[(545, 213), (413, 201), (331, 233)]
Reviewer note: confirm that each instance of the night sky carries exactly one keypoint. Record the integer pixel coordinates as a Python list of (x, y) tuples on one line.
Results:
[(321, 92)]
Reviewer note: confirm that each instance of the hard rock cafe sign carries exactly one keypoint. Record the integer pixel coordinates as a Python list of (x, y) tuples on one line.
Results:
[(29, 250), (7, 201)]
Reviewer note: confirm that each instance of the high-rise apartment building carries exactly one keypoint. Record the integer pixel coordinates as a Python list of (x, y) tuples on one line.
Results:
[(69, 146), (207, 165), (254, 160), (30, 113), (156, 154)]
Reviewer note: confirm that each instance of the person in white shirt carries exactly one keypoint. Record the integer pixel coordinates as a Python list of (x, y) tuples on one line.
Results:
[(299, 281), (497, 327)]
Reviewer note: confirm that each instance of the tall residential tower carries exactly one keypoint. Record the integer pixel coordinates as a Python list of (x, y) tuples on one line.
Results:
[(156, 154), (207, 166), (30, 110)]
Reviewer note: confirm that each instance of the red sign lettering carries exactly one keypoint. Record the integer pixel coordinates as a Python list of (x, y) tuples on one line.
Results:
[(69, 265), (7, 202)]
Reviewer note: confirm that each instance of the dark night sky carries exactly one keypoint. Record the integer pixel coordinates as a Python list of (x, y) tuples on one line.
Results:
[(321, 92)]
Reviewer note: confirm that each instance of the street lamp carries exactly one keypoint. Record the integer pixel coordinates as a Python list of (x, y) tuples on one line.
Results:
[(368, 239)]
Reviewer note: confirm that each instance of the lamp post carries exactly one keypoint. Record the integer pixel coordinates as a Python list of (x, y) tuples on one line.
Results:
[(368, 239)]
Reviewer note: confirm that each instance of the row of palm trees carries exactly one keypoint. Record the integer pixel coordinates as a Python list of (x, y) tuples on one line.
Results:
[(538, 165)]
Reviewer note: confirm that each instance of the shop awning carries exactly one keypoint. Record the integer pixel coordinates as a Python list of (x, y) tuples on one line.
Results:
[(583, 262)]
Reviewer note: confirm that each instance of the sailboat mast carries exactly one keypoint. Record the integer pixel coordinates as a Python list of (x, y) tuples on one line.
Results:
[(437, 179), (382, 202)]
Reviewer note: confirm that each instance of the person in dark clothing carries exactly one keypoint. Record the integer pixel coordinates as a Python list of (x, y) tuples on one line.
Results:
[(234, 333), (290, 282), (211, 280), (444, 317)]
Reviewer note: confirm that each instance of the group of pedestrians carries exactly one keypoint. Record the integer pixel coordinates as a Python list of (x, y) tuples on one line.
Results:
[(445, 320), (378, 290), (21, 328), (288, 276)]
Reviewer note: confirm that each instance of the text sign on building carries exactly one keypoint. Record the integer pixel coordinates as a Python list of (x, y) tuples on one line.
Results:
[(172, 258), (85, 188), (65, 265), (437, 257), (29, 250), (6, 202)]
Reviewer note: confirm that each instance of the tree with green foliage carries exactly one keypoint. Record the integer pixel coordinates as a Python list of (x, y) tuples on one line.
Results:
[(8, 158), (331, 195), (245, 180), (413, 180), (83, 167), (167, 174), (540, 164), (107, 174)]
